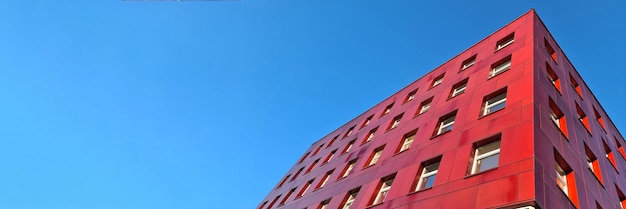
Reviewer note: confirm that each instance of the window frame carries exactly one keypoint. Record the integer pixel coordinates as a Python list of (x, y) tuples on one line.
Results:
[(424, 106), (350, 198), (324, 179), (478, 157), (407, 140), (550, 50), (458, 88), (410, 96), (444, 122), (383, 188), (395, 122), (348, 169), (467, 63), (422, 179), (501, 66), (437, 81), (553, 77), (592, 163), (369, 135), (506, 41), (375, 156), (558, 117), (488, 102)]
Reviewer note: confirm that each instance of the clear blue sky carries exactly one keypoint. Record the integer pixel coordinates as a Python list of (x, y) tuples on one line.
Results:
[(206, 104)]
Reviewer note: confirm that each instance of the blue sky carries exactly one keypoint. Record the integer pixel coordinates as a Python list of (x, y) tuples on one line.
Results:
[(206, 104)]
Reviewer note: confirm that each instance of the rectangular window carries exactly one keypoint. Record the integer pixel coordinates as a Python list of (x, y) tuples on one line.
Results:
[(445, 123), (468, 62), (486, 156), (332, 141), (500, 66), (621, 197), (283, 181), (395, 122), (282, 202), (306, 187), (437, 80), (549, 49), (375, 156), (348, 147), (324, 204), (348, 132), (312, 165), (348, 169), (273, 201), (324, 179), (575, 85), (565, 178), (609, 154), (407, 140), (494, 102), (429, 171), (304, 157), (329, 156), (592, 163), (297, 173), (350, 197), (582, 117), (424, 106), (383, 190), (558, 117), (554, 79), (458, 88), (410, 96), (367, 121), (620, 148), (317, 150), (370, 135), (387, 109), (508, 40), (599, 118)]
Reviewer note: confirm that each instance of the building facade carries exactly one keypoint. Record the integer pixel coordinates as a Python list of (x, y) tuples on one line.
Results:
[(508, 123)]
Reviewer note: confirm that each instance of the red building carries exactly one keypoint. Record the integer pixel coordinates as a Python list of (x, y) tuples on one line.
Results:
[(508, 123)]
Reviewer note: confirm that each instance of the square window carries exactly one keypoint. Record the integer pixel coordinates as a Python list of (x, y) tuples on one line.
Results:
[(592, 163), (387, 109), (494, 102), (437, 80), (410, 96), (348, 132), (508, 40), (549, 49), (486, 156), (324, 179), (468, 62), (427, 177), (558, 117), (565, 178), (350, 197), (407, 141), (348, 169), (458, 88), (329, 156), (500, 66), (370, 135), (395, 122), (445, 123), (554, 79), (367, 121), (348, 147), (424, 106), (383, 190), (375, 156), (575, 85)]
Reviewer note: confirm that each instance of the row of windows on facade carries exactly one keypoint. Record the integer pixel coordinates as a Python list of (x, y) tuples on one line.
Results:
[(492, 103), (483, 158)]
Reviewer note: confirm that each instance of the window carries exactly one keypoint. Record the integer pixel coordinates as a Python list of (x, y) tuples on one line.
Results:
[(324, 179), (500, 66), (429, 171), (486, 155), (410, 96), (387, 109), (458, 88), (383, 189), (263, 205), (395, 122), (565, 178), (609, 154), (297, 173), (370, 135), (273, 201), (494, 102), (329, 156), (349, 132), (599, 119), (438, 80), (592, 163), (424, 106), (304, 157), (575, 85), (620, 148), (312, 165), (346, 171), (348, 147), (350, 197), (549, 49), (445, 123), (367, 121), (317, 150), (621, 197), (332, 141), (557, 117), (554, 79), (282, 202), (283, 181), (508, 40), (582, 117), (468, 63), (324, 204), (407, 140), (375, 156), (305, 188)]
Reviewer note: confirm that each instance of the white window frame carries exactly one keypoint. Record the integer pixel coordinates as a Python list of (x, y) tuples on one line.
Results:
[(425, 107), (478, 157), (561, 179), (443, 125), (421, 184), (325, 180), (490, 103), (469, 64), (350, 200), (506, 43), (459, 90), (395, 123), (375, 157), (500, 68), (383, 192), (411, 97), (370, 135), (437, 82), (348, 170), (556, 119), (407, 143)]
